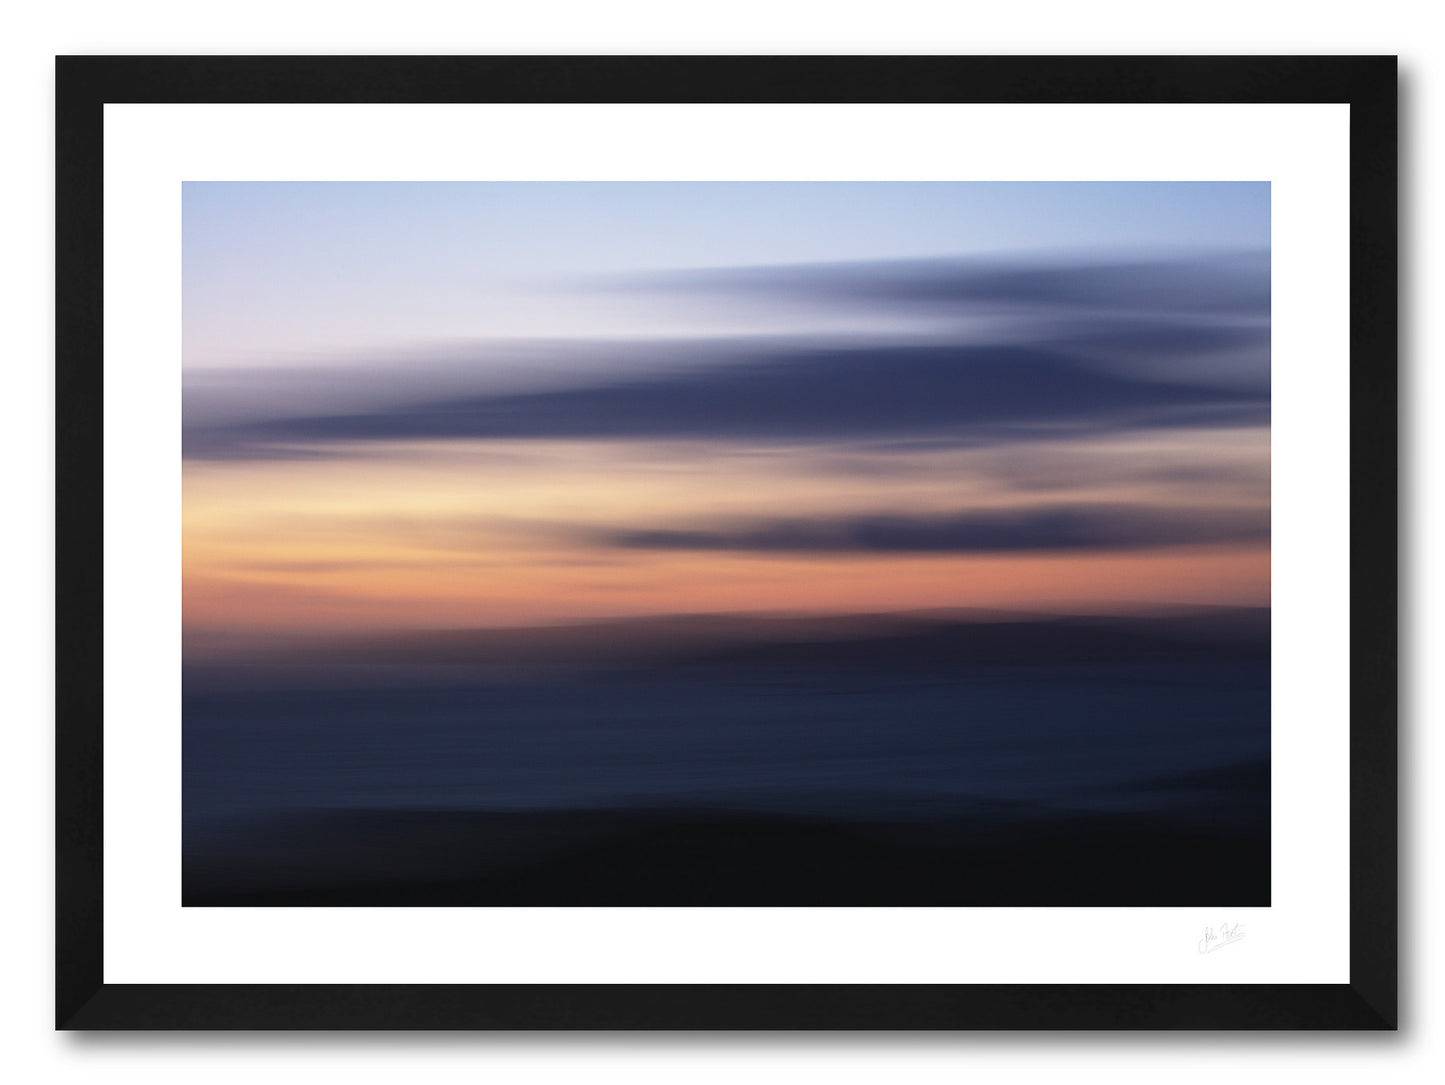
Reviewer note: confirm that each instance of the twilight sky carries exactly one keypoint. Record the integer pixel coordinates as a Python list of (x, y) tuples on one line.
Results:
[(445, 405)]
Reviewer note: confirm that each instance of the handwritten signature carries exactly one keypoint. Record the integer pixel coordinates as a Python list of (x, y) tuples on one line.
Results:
[(1227, 934)]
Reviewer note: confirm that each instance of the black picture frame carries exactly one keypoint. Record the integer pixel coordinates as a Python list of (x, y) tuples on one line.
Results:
[(85, 84)]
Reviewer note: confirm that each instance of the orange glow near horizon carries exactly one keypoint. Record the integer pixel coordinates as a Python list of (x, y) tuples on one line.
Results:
[(493, 534), (446, 596)]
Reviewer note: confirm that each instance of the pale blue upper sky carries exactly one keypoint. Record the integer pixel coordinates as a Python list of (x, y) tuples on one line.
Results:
[(280, 273)]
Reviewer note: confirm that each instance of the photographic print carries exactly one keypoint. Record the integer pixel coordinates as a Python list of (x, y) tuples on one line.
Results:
[(726, 544)]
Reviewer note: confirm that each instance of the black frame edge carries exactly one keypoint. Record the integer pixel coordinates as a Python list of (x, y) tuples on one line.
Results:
[(79, 676), (728, 1007), (1374, 510)]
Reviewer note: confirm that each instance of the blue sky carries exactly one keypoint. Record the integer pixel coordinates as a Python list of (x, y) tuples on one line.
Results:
[(283, 273)]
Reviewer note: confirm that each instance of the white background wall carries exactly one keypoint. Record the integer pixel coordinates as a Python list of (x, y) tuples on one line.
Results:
[(31, 35)]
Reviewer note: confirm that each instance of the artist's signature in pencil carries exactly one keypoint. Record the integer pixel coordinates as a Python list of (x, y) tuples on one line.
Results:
[(1221, 936)]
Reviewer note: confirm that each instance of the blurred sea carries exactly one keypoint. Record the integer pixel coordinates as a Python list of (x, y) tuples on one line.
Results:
[(1186, 741), (837, 745)]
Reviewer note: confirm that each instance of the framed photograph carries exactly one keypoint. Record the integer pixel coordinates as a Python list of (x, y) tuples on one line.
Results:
[(726, 542)]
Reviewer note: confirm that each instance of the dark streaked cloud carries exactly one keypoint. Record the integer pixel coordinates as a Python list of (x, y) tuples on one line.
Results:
[(1232, 284), (964, 393), (1064, 527), (1066, 347)]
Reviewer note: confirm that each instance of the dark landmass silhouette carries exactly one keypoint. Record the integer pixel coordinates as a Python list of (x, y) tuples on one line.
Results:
[(911, 639), (683, 858)]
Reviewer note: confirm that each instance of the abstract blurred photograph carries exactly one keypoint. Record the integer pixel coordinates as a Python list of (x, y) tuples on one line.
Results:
[(738, 544)]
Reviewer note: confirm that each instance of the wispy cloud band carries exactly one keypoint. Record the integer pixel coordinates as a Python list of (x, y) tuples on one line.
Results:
[(1076, 527)]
